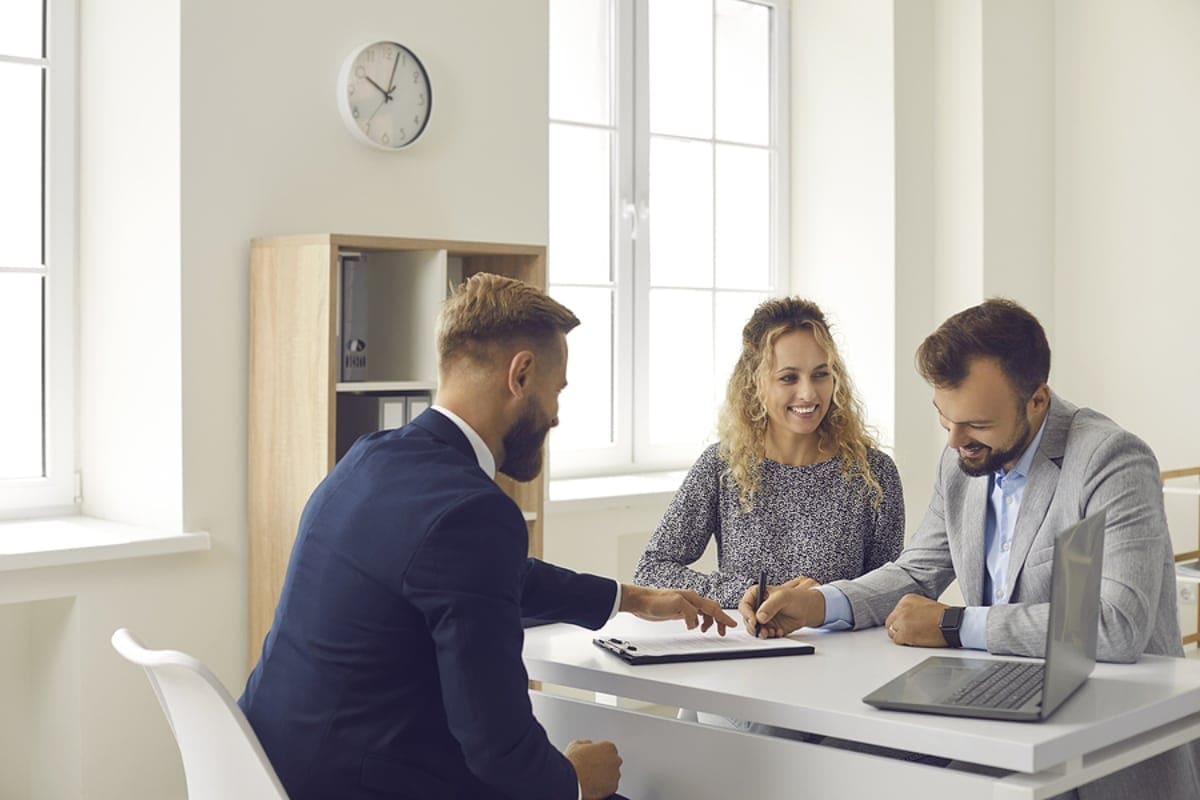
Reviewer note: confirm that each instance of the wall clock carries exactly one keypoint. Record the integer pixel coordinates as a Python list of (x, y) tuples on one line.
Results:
[(384, 95)]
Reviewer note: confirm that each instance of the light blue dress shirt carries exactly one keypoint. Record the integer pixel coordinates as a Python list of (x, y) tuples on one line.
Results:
[(1006, 491)]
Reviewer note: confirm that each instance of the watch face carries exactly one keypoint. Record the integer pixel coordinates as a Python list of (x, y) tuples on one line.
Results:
[(384, 95)]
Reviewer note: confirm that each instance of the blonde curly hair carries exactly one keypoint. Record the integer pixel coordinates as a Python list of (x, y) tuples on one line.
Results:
[(743, 422)]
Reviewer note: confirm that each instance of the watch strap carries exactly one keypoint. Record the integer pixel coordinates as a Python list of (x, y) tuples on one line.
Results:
[(952, 619)]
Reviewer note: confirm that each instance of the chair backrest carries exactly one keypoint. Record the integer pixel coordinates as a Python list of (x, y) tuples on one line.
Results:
[(222, 758)]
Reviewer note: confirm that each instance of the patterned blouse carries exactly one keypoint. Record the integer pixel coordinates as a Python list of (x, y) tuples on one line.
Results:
[(806, 520)]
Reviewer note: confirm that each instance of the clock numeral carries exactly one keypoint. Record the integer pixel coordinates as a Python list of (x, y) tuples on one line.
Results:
[(421, 99), (354, 111), (350, 89), (371, 55), (386, 139), (403, 134), (360, 71), (417, 119), (416, 76)]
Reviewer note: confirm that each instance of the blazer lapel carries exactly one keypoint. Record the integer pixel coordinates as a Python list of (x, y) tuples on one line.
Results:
[(974, 523), (1040, 486)]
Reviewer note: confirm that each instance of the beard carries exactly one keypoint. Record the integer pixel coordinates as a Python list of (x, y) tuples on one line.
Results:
[(993, 460), (523, 446)]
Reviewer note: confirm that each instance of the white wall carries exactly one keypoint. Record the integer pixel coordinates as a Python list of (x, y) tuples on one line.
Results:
[(1127, 210), (129, 280), (916, 431), (958, 156), (219, 126), (843, 187), (974, 189), (14, 674), (1018, 154)]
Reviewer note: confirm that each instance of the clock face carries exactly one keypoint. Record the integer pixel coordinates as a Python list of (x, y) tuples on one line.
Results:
[(384, 95)]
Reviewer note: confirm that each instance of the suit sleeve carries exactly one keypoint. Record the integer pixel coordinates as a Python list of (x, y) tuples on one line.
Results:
[(553, 594), (1121, 476), (924, 567), (467, 581)]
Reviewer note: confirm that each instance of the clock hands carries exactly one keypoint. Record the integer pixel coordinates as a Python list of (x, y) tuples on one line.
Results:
[(376, 111), (387, 93), (392, 77)]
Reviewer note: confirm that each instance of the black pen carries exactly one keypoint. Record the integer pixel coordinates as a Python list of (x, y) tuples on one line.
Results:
[(762, 595)]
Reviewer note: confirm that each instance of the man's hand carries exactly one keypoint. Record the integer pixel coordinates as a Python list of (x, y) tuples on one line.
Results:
[(795, 604), (597, 766), (916, 621), (663, 604)]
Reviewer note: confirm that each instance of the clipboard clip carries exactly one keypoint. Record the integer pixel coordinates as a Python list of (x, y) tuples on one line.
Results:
[(614, 645)]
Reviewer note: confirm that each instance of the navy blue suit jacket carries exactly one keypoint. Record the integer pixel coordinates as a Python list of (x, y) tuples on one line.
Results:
[(393, 667)]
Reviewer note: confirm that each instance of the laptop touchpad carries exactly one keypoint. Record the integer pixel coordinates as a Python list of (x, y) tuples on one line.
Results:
[(939, 678)]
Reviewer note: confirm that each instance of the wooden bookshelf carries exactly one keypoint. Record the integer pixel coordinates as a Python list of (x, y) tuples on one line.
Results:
[(294, 370)]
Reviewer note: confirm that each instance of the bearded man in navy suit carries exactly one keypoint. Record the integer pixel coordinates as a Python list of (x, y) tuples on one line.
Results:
[(393, 667)]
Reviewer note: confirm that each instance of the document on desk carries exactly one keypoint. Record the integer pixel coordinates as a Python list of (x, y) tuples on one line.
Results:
[(672, 648)]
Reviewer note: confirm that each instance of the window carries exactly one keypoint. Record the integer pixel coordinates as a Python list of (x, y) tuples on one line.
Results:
[(668, 215), (37, 255)]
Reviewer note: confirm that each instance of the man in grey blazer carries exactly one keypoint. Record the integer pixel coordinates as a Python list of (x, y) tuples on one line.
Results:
[(1020, 465)]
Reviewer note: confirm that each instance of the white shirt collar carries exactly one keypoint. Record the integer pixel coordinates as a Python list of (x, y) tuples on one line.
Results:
[(487, 461)]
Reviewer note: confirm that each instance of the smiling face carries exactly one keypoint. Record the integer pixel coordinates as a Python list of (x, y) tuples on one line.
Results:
[(985, 420), (798, 386)]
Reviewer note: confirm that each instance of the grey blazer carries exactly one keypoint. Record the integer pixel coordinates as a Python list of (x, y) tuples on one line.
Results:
[(1085, 463)]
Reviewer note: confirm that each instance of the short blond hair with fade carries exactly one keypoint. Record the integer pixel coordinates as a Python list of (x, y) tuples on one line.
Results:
[(487, 309)]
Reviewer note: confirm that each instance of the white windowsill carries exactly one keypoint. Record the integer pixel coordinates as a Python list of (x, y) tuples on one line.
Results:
[(609, 492), (35, 543)]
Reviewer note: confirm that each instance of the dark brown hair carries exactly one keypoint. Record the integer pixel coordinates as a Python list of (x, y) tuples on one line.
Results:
[(488, 309), (996, 328)]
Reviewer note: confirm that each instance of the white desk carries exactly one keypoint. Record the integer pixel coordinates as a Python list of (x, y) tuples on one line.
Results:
[(1122, 715)]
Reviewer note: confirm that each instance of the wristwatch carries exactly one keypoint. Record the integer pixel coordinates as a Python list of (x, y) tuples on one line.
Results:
[(952, 619)]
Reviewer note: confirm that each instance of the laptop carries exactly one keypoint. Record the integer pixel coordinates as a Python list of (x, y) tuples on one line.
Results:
[(1020, 690)]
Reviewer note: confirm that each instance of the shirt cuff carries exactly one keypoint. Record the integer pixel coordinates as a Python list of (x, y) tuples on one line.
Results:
[(616, 607), (838, 614), (973, 631)]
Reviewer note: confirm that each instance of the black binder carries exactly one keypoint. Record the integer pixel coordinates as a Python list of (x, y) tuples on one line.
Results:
[(698, 648)]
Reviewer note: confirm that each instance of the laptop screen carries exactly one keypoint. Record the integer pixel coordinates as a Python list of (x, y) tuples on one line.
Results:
[(1074, 609)]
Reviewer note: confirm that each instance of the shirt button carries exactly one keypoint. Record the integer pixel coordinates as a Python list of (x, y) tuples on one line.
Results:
[(1008, 500), (999, 594), (1006, 546)]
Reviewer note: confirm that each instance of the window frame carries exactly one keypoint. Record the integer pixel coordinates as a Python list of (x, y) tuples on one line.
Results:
[(57, 490), (630, 452)]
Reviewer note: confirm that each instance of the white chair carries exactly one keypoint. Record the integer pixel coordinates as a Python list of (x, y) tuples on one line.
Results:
[(222, 758)]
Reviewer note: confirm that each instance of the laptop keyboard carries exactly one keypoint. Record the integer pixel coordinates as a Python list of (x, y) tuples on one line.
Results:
[(1005, 684)]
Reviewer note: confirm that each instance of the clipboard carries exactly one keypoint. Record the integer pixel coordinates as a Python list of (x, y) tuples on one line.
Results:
[(694, 647)]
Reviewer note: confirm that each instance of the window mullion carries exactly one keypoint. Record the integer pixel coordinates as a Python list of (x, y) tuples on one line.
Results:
[(780, 146), (640, 283)]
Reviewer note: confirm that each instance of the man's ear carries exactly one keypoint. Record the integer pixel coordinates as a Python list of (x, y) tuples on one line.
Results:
[(520, 370), (1040, 399)]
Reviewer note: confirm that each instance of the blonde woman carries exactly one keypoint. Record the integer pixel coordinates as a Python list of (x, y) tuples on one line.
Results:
[(796, 485)]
